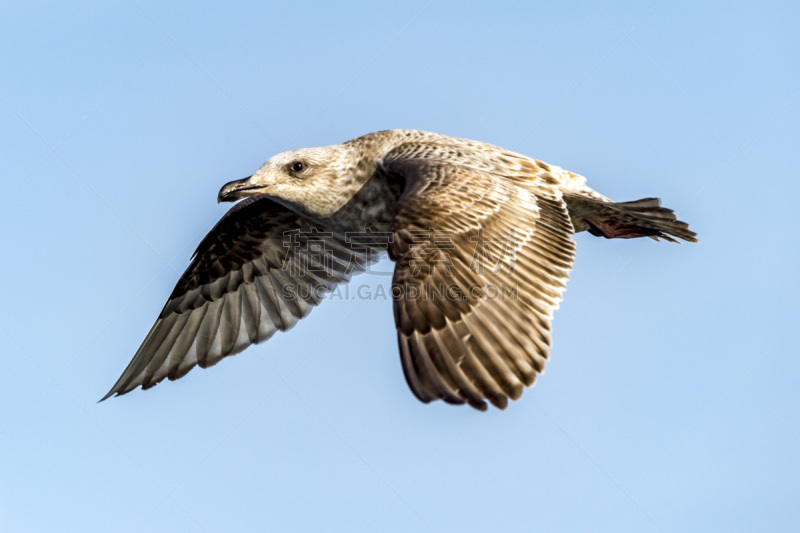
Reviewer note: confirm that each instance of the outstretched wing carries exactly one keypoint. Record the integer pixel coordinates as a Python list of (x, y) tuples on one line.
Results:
[(259, 270), (482, 261)]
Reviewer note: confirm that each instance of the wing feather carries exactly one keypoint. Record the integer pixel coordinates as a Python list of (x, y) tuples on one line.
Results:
[(251, 276), (504, 231)]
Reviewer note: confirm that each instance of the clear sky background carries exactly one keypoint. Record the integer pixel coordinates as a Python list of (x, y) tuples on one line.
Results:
[(671, 399)]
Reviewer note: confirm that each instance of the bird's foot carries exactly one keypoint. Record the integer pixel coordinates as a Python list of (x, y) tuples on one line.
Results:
[(613, 229)]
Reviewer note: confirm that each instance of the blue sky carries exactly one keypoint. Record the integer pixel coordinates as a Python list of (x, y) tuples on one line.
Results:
[(670, 402)]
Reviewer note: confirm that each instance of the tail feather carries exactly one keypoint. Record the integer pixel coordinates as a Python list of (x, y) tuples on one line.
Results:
[(639, 218)]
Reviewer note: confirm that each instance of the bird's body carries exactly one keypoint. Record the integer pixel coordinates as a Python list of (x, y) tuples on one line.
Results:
[(481, 237)]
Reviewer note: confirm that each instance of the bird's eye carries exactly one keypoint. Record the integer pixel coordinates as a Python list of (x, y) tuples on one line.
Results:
[(298, 166)]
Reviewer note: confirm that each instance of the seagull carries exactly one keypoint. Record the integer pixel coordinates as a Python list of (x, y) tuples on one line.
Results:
[(481, 238)]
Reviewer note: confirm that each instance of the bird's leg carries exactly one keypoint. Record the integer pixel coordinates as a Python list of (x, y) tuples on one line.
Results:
[(615, 229)]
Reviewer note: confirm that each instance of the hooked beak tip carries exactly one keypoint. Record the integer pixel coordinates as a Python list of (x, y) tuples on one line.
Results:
[(236, 190)]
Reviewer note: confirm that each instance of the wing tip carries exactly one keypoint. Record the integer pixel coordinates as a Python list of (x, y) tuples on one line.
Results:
[(106, 397), (115, 391)]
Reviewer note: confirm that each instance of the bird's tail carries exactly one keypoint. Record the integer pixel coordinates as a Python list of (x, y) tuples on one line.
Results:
[(640, 218)]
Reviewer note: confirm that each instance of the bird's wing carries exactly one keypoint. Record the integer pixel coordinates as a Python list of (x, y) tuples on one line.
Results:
[(259, 270), (482, 261)]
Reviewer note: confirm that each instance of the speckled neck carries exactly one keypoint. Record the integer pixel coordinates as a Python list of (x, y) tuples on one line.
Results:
[(371, 208), (369, 194)]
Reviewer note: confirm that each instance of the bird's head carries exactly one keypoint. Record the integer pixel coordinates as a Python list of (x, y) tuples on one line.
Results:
[(316, 180)]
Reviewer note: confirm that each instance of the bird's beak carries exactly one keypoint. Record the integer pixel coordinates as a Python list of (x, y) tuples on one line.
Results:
[(236, 190)]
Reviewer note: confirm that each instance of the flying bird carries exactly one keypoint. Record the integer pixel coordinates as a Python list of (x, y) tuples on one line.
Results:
[(482, 243)]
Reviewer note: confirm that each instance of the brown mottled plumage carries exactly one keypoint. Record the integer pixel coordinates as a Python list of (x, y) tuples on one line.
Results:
[(481, 237)]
